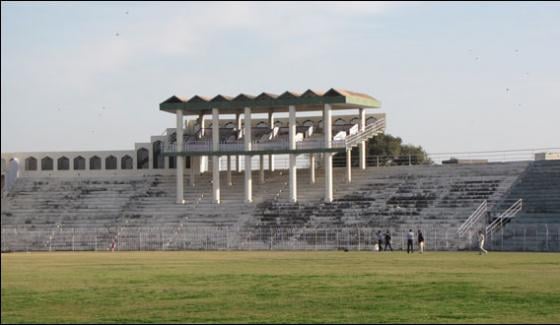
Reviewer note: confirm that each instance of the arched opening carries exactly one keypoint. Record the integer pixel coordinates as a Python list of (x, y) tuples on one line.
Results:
[(111, 162), (229, 125), (47, 163), (370, 120), (142, 159), (157, 155), (339, 121), (126, 162), (63, 163), (278, 124), (307, 123), (30, 163), (172, 163), (262, 124), (94, 163), (354, 121), (79, 163)]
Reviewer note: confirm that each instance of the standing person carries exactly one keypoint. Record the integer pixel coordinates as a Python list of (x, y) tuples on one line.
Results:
[(421, 241), (388, 241), (410, 242), (481, 243), (113, 244), (379, 239)]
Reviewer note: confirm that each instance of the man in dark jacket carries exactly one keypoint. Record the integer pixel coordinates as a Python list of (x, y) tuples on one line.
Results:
[(421, 241), (388, 241), (379, 239)]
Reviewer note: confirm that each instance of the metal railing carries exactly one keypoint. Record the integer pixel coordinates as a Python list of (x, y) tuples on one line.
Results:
[(272, 145), (473, 218), (492, 155), (541, 237), (280, 144), (373, 160), (369, 131), (506, 216)]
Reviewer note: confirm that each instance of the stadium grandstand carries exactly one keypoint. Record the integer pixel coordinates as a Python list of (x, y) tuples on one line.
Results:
[(275, 172)]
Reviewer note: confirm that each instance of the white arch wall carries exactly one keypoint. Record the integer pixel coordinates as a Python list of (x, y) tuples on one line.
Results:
[(22, 156)]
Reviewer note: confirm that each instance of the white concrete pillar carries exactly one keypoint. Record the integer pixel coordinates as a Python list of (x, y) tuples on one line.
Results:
[(292, 146), (349, 166), (362, 144), (261, 171), (180, 160), (247, 147), (327, 129), (312, 168), (238, 127), (229, 170), (201, 123), (216, 158), (271, 156)]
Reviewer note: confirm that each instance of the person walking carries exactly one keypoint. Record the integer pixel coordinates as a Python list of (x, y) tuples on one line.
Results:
[(388, 241), (421, 241), (379, 239), (481, 243), (410, 242)]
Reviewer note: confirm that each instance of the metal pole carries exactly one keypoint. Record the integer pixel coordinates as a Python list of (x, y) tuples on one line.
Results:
[(337, 244), (502, 233), (359, 245), (227, 237), (402, 240), (315, 238), (524, 238), (546, 238)]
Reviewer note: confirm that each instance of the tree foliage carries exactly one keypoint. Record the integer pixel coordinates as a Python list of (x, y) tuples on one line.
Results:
[(390, 150)]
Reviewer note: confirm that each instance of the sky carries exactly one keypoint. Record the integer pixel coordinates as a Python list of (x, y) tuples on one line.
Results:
[(451, 77)]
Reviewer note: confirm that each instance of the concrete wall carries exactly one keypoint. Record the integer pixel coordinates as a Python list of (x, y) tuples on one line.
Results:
[(87, 155), (547, 156)]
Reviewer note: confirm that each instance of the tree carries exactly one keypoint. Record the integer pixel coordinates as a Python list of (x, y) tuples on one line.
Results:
[(390, 150)]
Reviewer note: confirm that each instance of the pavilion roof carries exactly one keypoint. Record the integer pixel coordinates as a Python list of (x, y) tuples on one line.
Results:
[(266, 102)]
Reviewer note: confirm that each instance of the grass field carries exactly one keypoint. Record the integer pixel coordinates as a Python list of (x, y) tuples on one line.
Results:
[(272, 287)]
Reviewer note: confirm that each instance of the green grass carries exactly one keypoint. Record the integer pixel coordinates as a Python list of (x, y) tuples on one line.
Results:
[(272, 287)]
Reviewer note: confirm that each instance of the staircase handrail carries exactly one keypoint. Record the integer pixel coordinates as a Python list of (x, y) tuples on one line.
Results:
[(506, 215), (369, 130), (473, 218)]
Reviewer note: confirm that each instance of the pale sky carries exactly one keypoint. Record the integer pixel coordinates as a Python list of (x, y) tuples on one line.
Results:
[(451, 77)]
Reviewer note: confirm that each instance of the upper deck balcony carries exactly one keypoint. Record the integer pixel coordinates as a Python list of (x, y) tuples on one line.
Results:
[(342, 141)]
